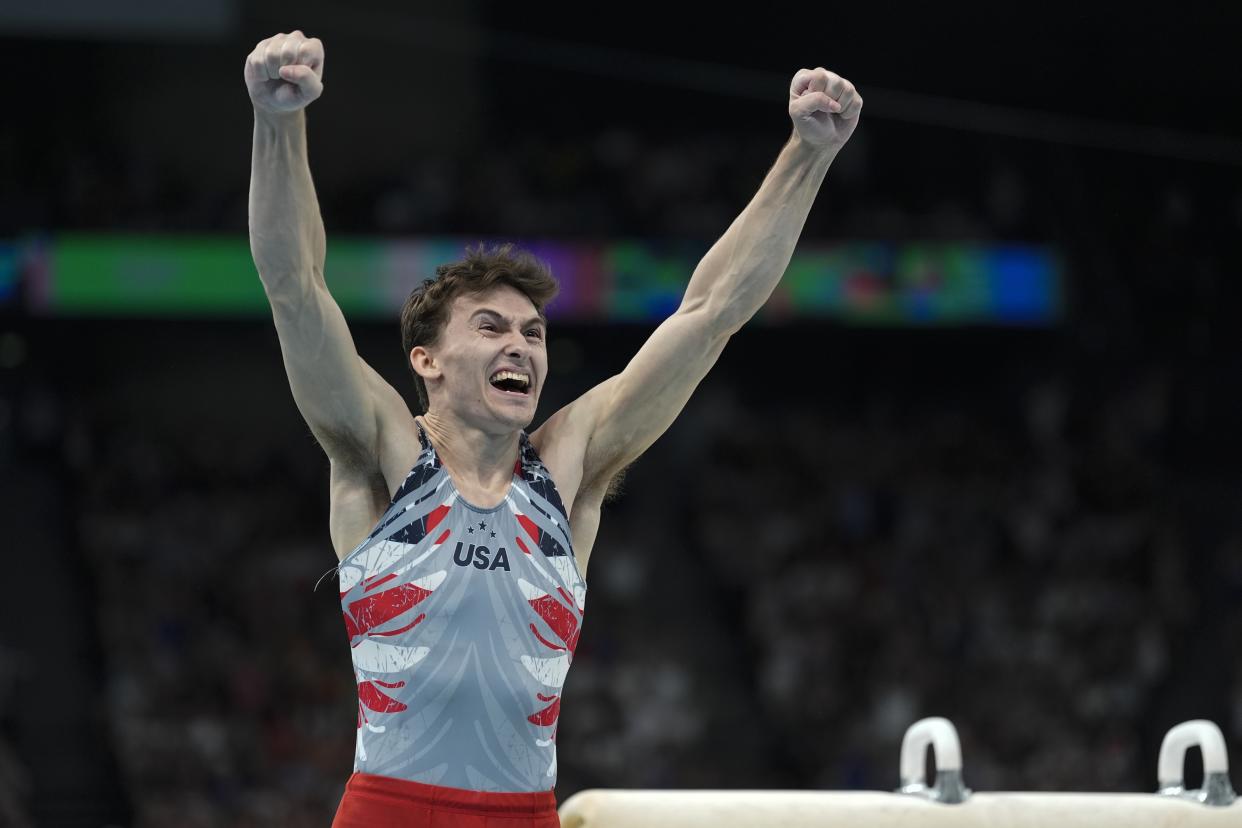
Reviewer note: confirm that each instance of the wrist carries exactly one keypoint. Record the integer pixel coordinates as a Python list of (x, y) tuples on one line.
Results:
[(810, 153), (279, 120)]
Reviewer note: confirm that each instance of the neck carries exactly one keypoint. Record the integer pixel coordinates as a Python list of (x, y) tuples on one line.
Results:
[(473, 457)]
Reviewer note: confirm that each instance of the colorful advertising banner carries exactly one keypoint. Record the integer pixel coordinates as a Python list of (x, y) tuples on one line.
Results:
[(863, 283)]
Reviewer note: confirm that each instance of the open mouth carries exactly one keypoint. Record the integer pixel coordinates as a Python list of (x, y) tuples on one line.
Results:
[(511, 382)]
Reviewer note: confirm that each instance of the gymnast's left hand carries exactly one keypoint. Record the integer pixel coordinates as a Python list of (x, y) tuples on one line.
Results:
[(824, 108)]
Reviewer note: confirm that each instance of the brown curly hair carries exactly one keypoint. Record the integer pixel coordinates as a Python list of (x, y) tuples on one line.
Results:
[(426, 311)]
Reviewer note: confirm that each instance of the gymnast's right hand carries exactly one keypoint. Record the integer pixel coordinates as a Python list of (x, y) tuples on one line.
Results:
[(285, 73)]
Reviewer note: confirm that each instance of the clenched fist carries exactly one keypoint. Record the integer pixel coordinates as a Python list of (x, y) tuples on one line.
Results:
[(285, 73), (824, 107)]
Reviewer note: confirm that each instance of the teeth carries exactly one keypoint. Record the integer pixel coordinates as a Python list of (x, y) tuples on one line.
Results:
[(504, 375)]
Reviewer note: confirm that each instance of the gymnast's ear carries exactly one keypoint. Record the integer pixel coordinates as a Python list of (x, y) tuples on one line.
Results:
[(423, 363)]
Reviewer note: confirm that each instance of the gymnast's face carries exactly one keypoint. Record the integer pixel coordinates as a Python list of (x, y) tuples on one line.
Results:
[(490, 360)]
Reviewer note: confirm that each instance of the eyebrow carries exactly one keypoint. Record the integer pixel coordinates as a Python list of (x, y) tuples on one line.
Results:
[(540, 320)]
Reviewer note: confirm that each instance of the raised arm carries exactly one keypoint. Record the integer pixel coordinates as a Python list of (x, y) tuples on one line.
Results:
[(338, 395), (625, 414)]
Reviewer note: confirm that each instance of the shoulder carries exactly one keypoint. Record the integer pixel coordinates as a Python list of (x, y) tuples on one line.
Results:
[(561, 442), (570, 429), (398, 445), (394, 432)]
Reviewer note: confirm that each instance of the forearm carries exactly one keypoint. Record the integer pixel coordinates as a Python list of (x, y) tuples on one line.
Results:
[(740, 271), (286, 230)]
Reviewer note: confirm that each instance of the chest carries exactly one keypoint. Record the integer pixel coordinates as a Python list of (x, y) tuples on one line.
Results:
[(433, 546), (486, 541)]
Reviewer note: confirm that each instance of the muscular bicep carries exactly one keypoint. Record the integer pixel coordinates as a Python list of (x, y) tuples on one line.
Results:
[(628, 412), (331, 384)]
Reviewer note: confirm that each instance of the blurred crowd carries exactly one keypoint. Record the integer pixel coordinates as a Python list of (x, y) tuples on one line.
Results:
[(783, 587), (626, 180), (1033, 584), (225, 702)]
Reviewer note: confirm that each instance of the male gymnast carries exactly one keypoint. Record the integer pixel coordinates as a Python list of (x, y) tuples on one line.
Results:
[(461, 562)]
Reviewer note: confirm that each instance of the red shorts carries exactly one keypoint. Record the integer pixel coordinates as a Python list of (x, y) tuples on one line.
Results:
[(372, 801)]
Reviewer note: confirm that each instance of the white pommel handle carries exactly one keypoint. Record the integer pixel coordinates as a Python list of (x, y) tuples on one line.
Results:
[(942, 736), (1201, 732)]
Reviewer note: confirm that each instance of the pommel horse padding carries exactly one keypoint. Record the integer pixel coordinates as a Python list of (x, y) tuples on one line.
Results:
[(948, 803), (866, 809)]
